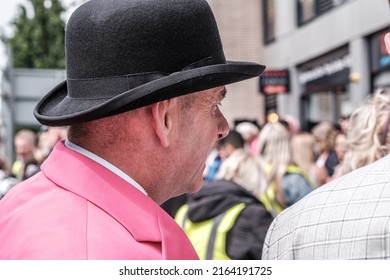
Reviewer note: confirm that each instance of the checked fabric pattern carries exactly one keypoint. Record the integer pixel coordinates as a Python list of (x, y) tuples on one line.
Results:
[(348, 218)]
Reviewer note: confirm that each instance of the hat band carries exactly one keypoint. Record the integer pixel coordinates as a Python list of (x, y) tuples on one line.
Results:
[(111, 86)]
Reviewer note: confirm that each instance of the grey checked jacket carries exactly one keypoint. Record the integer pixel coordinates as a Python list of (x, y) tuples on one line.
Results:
[(348, 218)]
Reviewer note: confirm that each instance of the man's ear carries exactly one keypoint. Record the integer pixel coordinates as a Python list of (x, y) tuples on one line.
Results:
[(387, 42), (162, 117)]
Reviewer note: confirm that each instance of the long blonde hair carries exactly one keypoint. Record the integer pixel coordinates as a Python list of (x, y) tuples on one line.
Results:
[(367, 125), (275, 150), (302, 146), (304, 156), (245, 170)]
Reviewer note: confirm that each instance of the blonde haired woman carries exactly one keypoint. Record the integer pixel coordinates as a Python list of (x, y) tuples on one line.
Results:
[(304, 156), (286, 182), (368, 136), (245, 170), (325, 135), (225, 219)]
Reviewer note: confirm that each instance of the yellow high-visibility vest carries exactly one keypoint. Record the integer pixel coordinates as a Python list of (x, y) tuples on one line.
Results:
[(269, 197), (209, 237)]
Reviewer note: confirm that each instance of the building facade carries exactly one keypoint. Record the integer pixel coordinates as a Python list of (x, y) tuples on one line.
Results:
[(333, 53), (21, 89)]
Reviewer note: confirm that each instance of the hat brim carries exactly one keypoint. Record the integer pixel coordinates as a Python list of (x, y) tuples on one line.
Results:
[(58, 109)]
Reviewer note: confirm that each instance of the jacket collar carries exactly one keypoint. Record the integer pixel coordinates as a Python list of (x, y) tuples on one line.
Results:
[(88, 179)]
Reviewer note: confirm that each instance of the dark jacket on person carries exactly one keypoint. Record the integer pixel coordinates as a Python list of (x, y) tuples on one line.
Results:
[(331, 162), (245, 238)]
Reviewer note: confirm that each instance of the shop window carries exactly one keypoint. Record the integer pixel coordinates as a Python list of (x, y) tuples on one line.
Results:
[(306, 10), (310, 9), (380, 60), (269, 20)]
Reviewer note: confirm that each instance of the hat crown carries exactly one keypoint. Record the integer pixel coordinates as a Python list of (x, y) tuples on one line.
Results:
[(125, 54), (106, 38)]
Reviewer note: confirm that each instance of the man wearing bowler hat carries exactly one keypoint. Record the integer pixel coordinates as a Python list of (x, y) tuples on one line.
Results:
[(144, 81)]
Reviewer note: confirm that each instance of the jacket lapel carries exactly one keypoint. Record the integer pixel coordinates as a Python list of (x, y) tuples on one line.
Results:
[(98, 185)]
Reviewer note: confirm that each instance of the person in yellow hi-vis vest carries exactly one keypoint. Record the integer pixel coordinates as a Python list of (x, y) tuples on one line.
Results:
[(286, 182), (225, 220)]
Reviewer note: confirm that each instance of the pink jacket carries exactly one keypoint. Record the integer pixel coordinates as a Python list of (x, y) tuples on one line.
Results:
[(77, 209)]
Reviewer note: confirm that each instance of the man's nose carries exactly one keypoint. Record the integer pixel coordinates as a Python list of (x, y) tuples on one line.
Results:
[(223, 128)]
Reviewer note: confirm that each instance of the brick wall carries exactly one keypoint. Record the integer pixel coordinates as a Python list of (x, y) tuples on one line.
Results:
[(240, 22)]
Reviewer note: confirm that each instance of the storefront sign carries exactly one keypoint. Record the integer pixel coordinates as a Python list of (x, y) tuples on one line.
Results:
[(325, 72), (275, 82)]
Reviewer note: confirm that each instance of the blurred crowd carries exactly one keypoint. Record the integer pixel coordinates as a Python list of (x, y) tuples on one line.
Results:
[(256, 172), (251, 176), (31, 149)]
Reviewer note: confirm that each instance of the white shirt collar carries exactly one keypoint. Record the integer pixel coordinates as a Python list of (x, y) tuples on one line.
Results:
[(105, 163)]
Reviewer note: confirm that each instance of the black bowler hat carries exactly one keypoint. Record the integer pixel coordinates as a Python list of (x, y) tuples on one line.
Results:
[(125, 54)]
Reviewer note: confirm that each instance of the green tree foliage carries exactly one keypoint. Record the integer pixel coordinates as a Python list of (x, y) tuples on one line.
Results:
[(38, 41)]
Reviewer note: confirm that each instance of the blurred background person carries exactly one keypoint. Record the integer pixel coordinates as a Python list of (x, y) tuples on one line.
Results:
[(7, 181), (221, 151), (286, 182), (232, 142), (368, 134), (340, 148), (294, 127), (250, 132), (344, 123), (304, 156), (25, 164), (325, 134), (225, 219), (47, 138), (213, 162)]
